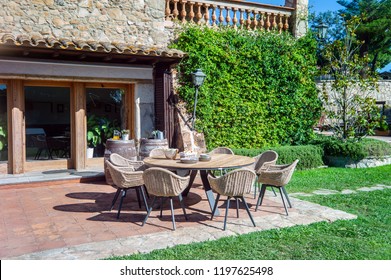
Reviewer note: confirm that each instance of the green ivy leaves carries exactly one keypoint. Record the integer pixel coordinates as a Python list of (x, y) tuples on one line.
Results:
[(259, 88)]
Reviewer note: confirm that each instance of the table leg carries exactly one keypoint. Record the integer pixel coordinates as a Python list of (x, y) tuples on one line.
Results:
[(193, 174), (208, 191)]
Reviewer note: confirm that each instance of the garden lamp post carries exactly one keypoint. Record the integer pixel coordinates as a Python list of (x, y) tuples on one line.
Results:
[(198, 78), (322, 31)]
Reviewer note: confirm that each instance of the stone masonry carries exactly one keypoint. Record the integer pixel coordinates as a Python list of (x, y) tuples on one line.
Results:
[(134, 22)]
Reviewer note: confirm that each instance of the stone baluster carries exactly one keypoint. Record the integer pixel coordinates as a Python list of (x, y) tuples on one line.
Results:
[(286, 24), (206, 15), (214, 16), (280, 24), (241, 20), (191, 13), (175, 11), (255, 21), (268, 21), (221, 17), (228, 17), (274, 22), (183, 11), (168, 10), (248, 21), (235, 18), (198, 15), (262, 21)]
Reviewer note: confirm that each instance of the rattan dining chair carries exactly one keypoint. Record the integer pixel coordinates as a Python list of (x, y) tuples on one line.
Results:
[(119, 160), (125, 178), (277, 176), (234, 184), (163, 183), (262, 162), (221, 150)]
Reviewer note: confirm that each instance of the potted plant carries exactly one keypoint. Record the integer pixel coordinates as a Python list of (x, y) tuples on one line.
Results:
[(3, 136), (93, 134), (383, 128), (125, 134)]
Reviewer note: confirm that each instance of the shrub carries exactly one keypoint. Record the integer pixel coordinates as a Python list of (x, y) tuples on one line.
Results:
[(259, 89), (309, 156), (356, 150)]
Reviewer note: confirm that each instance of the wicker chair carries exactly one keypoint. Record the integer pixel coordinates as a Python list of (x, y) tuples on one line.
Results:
[(262, 162), (125, 178), (119, 160), (221, 150), (234, 184), (163, 183), (277, 176)]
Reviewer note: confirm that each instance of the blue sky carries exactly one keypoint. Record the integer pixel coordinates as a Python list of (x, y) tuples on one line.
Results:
[(316, 6)]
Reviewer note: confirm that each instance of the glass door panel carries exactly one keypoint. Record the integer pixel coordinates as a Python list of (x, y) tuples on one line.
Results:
[(105, 114), (3, 124), (47, 117)]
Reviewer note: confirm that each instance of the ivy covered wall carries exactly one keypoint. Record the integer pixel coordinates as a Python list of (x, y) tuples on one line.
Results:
[(259, 90)]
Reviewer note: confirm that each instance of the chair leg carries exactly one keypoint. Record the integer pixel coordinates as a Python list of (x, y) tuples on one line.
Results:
[(172, 214), (215, 206), (115, 199), (162, 199), (274, 191), (256, 187), (283, 201), (138, 197), (183, 206), (260, 197), (226, 213), (143, 196), (149, 211), (237, 207), (248, 210), (287, 197), (120, 203)]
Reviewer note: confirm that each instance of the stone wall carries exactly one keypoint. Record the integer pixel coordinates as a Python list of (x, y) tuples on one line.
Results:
[(383, 94), (135, 22)]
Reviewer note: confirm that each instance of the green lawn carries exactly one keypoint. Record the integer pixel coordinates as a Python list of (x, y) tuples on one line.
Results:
[(367, 237), (339, 178)]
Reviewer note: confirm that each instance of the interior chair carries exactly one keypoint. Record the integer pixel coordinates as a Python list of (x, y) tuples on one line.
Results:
[(262, 162), (125, 178), (163, 183), (235, 184), (277, 176), (39, 142)]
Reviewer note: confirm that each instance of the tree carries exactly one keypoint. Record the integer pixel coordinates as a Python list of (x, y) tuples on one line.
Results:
[(374, 30), (345, 97)]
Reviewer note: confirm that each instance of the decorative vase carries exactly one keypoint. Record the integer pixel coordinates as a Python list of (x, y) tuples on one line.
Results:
[(125, 136), (90, 152)]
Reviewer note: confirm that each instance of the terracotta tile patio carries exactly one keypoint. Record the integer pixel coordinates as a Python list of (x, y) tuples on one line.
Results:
[(48, 216)]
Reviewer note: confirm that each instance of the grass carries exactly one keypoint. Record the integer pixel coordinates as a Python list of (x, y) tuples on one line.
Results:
[(367, 237), (339, 178)]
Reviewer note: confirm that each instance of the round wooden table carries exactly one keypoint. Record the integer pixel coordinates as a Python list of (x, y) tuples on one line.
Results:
[(217, 162)]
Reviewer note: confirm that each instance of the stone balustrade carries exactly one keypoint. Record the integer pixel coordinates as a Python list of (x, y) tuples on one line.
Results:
[(230, 12)]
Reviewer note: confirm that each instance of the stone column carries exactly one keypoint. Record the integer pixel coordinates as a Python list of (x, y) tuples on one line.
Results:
[(299, 22)]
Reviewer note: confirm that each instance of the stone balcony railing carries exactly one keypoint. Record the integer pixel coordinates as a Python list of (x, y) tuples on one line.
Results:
[(230, 12)]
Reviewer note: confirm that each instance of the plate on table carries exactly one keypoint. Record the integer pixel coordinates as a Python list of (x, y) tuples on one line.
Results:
[(189, 160)]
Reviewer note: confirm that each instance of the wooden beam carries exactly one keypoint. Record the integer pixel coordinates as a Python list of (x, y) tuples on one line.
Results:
[(78, 126), (17, 136)]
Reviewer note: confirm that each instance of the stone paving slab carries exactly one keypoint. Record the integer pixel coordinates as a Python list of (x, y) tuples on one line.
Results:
[(305, 213)]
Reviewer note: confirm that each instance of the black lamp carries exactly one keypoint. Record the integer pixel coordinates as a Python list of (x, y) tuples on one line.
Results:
[(198, 78), (322, 30)]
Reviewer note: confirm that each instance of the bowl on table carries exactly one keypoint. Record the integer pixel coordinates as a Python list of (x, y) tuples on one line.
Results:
[(204, 157), (170, 153)]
